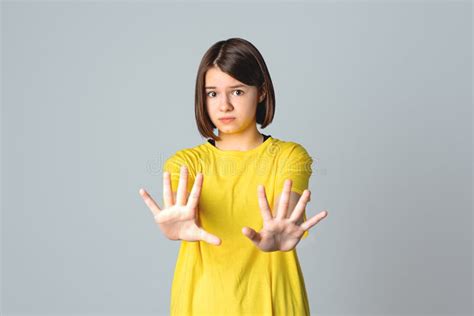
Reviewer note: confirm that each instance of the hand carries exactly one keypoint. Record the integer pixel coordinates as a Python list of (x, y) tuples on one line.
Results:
[(281, 233), (178, 220)]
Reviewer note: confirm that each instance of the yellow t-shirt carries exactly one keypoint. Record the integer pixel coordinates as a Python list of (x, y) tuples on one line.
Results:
[(236, 277)]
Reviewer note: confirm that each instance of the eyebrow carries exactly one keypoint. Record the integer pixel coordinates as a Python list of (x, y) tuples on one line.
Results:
[(236, 86)]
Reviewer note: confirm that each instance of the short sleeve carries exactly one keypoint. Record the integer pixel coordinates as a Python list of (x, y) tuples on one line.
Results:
[(173, 166), (296, 165)]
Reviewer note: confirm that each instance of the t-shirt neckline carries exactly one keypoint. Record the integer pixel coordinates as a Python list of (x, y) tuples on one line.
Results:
[(260, 147)]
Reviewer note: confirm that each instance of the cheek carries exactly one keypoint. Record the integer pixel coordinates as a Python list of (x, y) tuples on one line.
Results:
[(211, 108), (249, 107)]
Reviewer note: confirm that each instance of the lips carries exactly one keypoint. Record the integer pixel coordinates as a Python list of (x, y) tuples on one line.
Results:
[(227, 119)]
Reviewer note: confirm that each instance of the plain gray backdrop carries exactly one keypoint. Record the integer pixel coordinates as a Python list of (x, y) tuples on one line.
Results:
[(95, 95)]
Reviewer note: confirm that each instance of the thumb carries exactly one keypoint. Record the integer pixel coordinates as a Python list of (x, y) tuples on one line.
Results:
[(251, 234), (209, 238)]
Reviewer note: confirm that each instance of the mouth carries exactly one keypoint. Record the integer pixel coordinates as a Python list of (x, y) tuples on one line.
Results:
[(227, 119)]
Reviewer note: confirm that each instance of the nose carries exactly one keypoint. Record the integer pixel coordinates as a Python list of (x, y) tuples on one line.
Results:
[(225, 104)]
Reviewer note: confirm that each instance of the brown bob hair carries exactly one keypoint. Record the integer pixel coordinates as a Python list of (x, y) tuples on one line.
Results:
[(241, 60)]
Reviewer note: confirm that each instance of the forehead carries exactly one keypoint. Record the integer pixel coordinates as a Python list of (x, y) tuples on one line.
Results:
[(219, 79)]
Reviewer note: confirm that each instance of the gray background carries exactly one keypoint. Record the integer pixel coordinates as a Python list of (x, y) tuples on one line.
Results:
[(97, 94)]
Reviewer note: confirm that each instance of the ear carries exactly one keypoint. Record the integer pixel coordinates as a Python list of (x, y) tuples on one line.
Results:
[(262, 96)]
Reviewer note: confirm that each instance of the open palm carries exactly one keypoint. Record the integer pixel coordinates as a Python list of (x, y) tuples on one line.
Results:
[(179, 218), (279, 232)]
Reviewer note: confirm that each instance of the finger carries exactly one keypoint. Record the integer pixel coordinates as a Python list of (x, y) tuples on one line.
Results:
[(193, 200), (154, 208), (313, 220), (209, 238), (300, 206), (182, 186), (284, 200), (263, 203), (168, 198), (252, 235)]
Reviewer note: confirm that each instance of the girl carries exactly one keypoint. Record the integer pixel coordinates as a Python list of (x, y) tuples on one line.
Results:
[(225, 189)]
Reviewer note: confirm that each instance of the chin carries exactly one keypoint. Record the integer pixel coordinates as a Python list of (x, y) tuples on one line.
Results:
[(227, 129)]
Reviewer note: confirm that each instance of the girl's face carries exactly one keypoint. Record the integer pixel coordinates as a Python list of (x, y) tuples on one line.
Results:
[(228, 97)]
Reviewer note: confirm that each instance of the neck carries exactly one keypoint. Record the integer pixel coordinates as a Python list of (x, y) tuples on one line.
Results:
[(243, 141)]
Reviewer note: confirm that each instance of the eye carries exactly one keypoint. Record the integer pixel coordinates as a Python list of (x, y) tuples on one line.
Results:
[(210, 93), (239, 91)]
